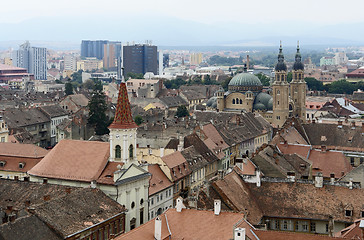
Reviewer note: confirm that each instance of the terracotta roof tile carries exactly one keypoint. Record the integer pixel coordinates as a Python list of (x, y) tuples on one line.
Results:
[(158, 181), (21, 150), (189, 224), (74, 160)]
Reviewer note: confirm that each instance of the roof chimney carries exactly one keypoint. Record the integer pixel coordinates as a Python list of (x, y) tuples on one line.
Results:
[(239, 234), (158, 229), (179, 204), (181, 144), (217, 206), (351, 183), (323, 148), (319, 180), (161, 152), (353, 125), (340, 124), (257, 175), (247, 62), (332, 178)]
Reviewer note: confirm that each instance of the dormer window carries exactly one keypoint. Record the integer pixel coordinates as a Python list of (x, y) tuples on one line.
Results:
[(348, 213), (21, 165), (2, 163)]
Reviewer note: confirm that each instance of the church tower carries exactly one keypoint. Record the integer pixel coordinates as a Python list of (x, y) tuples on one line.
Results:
[(123, 130), (298, 87), (280, 92)]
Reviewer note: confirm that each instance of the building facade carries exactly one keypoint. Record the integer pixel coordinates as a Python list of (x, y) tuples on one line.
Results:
[(283, 100), (34, 59), (140, 58)]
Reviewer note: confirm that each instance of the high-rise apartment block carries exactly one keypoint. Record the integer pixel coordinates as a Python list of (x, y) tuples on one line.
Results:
[(112, 51), (34, 59), (93, 48), (140, 58)]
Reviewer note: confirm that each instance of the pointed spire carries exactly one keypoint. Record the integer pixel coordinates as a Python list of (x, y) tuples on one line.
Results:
[(123, 118), (281, 66), (298, 65)]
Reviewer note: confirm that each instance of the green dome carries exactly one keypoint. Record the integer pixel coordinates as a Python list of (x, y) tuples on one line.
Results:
[(245, 79)]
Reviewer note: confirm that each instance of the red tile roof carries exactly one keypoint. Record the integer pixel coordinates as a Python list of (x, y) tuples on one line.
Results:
[(190, 224), (177, 164), (74, 160), (21, 150), (326, 162), (352, 232), (107, 176), (123, 118), (158, 181)]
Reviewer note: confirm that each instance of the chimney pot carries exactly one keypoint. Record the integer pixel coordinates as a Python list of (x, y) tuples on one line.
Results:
[(217, 206), (239, 234), (319, 180), (323, 148), (158, 228)]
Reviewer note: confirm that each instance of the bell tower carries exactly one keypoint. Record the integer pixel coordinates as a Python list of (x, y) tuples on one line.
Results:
[(298, 87), (280, 88), (123, 130)]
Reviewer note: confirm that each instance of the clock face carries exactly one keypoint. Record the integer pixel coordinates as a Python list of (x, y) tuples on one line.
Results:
[(117, 136)]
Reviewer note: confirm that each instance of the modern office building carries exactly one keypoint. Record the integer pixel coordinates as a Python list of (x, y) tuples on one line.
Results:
[(34, 59), (91, 48), (140, 58)]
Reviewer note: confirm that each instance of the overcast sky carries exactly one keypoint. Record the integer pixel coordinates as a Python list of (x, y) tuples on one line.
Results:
[(239, 11), (263, 16)]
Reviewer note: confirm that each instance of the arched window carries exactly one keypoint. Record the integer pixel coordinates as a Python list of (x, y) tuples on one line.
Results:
[(233, 101), (278, 92), (131, 151), (117, 151), (241, 101), (237, 100)]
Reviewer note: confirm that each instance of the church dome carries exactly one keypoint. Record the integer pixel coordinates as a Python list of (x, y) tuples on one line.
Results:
[(245, 79), (263, 101)]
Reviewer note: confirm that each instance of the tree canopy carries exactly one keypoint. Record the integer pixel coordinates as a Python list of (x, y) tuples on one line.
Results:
[(97, 108), (134, 75), (182, 111), (68, 88), (264, 79), (138, 120)]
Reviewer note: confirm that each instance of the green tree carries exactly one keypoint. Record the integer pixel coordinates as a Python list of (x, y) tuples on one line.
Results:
[(182, 111), (342, 86), (225, 83), (89, 84), (264, 79), (97, 108), (77, 76), (68, 88), (135, 75), (313, 84), (138, 120)]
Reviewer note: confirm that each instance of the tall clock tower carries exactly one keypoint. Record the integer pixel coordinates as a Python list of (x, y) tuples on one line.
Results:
[(123, 130)]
